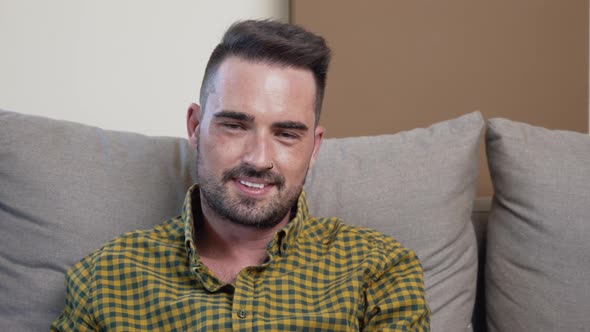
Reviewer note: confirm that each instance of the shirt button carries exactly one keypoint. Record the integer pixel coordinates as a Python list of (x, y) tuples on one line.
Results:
[(242, 313)]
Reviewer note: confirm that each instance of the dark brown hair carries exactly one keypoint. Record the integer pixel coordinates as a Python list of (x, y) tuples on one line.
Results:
[(274, 43)]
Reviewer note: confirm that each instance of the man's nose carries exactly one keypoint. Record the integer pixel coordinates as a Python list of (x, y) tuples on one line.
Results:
[(259, 152)]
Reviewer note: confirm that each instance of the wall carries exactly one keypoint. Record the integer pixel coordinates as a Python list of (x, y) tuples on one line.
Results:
[(136, 65), (129, 65), (404, 64)]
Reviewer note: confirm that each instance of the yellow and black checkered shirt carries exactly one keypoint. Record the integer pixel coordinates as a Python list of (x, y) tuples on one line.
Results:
[(321, 275)]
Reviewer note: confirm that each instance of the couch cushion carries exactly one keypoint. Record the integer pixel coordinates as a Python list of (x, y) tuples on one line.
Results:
[(417, 186), (538, 254), (66, 188)]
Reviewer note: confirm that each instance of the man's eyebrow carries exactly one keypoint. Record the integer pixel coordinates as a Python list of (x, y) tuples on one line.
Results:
[(234, 115), (290, 125)]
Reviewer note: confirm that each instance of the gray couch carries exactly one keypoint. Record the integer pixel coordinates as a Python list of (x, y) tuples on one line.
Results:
[(67, 188)]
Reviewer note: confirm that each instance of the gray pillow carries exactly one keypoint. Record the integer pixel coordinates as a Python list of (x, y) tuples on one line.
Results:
[(417, 186), (66, 188), (538, 254)]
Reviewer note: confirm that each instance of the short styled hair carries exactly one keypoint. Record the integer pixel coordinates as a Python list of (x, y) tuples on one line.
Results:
[(272, 42)]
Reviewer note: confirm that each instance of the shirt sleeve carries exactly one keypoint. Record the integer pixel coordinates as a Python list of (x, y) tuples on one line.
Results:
[(395, 300), (76, 314)]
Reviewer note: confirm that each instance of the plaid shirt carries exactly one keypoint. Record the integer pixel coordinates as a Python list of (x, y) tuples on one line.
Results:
[(321, 275)]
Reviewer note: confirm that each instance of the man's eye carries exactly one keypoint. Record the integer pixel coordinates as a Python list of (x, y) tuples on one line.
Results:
[(232, 125), (287, 135)]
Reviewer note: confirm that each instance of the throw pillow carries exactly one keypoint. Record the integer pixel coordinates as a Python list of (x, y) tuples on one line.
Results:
[(65, 190), (538, 254), (417, 186)]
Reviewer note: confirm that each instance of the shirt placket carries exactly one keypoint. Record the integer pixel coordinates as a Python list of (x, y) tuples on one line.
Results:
[(243, 311)]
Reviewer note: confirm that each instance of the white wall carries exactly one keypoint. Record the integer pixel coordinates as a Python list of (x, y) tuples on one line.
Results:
[(128, 65)]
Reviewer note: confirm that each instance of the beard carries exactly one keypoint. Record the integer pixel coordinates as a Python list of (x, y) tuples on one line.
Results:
[(246, 210)]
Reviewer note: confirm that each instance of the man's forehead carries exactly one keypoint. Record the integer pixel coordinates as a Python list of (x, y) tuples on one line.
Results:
[(246, 86), (237, 68)]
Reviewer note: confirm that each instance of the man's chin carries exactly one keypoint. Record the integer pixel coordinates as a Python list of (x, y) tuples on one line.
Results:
[(256, 220), (257, 211)]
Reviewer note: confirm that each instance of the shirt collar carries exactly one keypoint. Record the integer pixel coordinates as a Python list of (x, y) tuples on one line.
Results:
[(280, 244)]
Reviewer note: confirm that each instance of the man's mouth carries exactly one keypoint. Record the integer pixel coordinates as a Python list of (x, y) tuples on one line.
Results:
[(252, 184), (252, 181), (254, 187)]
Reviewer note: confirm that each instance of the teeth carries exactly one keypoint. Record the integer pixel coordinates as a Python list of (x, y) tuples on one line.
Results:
[(253, 185)]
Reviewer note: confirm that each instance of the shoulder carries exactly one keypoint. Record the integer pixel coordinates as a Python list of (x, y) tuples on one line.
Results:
[(169, 233), (168, 236), (357, 239), (386, 261), (336, 228)]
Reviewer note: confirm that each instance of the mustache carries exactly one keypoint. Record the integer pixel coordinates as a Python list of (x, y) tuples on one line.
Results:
[(246, 170)]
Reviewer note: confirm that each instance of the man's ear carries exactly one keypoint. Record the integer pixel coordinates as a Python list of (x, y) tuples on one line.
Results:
[(317, 142), (193, 118)]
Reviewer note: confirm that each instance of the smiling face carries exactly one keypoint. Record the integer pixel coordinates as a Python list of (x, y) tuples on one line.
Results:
[(256, 138)]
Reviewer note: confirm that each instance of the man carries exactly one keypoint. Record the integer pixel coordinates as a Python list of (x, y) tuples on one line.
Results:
[(245, 254)]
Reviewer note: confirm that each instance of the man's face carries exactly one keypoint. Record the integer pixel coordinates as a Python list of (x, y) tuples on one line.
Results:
[(258, 115)]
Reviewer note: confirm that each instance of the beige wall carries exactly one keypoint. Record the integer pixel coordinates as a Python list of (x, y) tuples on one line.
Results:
[(130, 65), (403, 64), (135, 65)]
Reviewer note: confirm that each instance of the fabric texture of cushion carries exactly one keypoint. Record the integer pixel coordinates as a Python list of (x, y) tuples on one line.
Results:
[(538, 253), (67, 188), (417, 186)]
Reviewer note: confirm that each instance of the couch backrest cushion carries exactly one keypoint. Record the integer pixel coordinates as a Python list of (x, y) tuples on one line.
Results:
[(417, 186), (538, 253), (66, 188)]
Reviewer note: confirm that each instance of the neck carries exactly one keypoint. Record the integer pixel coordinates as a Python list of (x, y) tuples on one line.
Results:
[(224, 240)]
